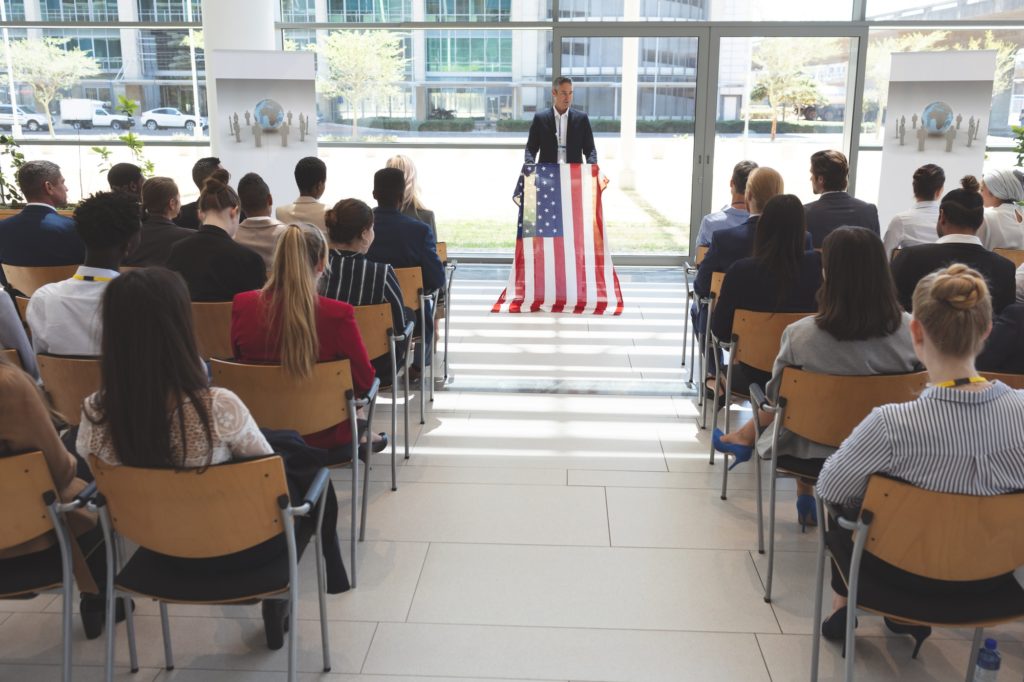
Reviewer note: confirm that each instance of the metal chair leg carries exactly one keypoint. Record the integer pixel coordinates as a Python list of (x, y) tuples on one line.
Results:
[(405, 405), (321, 587), (979, 633), (355, 489), (423, 361), (759, 473), (165, 627), (728, 404), (714, 415), (394, 415), (818, 590), (686, 326), (772, 489), (366, 470)]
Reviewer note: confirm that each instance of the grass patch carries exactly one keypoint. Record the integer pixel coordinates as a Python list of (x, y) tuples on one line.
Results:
[(624, 237)]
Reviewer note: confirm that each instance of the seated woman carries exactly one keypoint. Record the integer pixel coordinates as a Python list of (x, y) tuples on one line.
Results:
[(287, 322), (780, 277), (963, 434), (1004, 220), (412, 205), (13, 336), (859, 330), (357, 281)]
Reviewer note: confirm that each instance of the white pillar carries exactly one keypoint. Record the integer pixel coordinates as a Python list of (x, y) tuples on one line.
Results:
[(630, 66)]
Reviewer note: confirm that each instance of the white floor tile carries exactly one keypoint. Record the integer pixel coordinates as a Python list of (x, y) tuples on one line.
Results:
[(50, 673)]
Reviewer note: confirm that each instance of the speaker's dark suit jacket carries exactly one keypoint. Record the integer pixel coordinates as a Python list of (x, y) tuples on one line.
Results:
[(914, 262), (39, 236), (404, 242), (215, 267), (836, 209), (1004, 350), (579, 138)]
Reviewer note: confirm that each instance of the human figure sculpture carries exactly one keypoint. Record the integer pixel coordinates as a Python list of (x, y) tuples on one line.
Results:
[(302, 127), (959, 119), (970, 123), (950, 138), (289, 118), (913, 121), (284, 130), (306, 125), (257, 134), (247, 117), (977, 128), (237, 129), (903, 131), (970, 131), (921, 135)]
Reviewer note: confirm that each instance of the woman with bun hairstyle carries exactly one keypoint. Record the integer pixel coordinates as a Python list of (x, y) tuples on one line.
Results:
[(961, 214), (356, 280), (214, 266), (1004, 220), (287, 322), (963, 435)]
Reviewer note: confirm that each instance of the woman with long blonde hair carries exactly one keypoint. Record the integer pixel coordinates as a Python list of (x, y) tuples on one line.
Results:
[(412, 205), (287, 321)]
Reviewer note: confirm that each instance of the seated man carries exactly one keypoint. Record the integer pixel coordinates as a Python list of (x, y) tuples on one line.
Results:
[(65, 316), (127, 179), (258, 231), (736, 212), (835, 208), (39, 236), (188, 216), (311, 178)]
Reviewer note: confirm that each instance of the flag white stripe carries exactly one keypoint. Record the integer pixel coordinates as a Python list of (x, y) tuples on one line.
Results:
[(587, 226)]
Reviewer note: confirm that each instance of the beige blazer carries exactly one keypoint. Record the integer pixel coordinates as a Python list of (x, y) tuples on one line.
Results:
[(303, 210)]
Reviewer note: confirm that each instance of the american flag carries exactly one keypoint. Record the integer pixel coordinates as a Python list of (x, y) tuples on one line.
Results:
[(562, 261)]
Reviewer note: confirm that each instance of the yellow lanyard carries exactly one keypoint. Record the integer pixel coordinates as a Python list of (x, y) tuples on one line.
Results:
[(90, 278), (960, 382)]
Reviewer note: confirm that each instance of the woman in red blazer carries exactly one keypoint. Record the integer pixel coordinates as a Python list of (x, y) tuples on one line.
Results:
[(288, 322)]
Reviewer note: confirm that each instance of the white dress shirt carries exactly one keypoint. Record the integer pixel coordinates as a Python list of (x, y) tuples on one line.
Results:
[(1003, 227), (303, 210), (913, 227), (561, 132), (65, 316), (959, 239)]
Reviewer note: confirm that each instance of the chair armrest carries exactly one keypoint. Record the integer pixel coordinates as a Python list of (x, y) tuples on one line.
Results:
[(406, 333), (81, 500), (371, 393), (83, 497), (317, 487)]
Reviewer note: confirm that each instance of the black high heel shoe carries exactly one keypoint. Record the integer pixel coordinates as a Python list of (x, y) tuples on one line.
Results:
[(918, 632), (833, 628), (93, 610), (275, 621)]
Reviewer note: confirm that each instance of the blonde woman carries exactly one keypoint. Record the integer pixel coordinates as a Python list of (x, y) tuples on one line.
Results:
[(412, 205), (288, 322)]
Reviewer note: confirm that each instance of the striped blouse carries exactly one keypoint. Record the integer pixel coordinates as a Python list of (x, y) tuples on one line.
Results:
[(358, 281), (948, 440)]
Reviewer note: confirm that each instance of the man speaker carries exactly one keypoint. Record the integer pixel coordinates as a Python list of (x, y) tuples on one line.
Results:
[(561, 134)]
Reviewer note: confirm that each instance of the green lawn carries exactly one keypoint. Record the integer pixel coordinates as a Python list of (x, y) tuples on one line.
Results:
[(624, 237)]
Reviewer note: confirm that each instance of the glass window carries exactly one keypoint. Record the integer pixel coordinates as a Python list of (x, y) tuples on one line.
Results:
[(103, 45), (78, 10), (361, 11), (169, 10), (457, 51), (468, 10), (15, 9), (941, 10), (705, 10)]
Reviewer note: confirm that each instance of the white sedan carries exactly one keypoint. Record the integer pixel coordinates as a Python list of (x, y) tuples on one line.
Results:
[(169, 117)]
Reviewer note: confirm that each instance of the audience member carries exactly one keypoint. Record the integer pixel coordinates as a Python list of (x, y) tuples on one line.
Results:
[(917, 226), (259, 231), (311, 178), (162, 202), (960, 215), (126, 178), (736, 212), (357, 281), (835, 207), (38, 235), (1004, 349), (13, 337), (64, 316), (412, 205), (288, 322), (216, 268), (1003, 228), (859, 330), (963, 435), (189, 214)]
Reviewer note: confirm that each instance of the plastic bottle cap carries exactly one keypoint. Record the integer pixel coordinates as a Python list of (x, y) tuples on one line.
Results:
[(990, 644)]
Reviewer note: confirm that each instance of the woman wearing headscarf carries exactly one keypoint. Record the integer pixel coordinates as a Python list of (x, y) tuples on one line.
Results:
[(1004, 219)]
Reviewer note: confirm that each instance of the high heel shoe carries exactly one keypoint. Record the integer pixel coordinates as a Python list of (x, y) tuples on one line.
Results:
[(742, 453), (918, 632), (275, 621), (806, 512), (833, 628), (93, 610)]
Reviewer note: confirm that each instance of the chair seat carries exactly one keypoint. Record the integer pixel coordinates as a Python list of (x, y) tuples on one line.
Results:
[(34, 572), (796, 466), (259, 571), (885, 589)]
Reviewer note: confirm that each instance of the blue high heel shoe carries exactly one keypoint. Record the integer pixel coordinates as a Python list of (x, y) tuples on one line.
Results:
[(742, 453), (806, 512)]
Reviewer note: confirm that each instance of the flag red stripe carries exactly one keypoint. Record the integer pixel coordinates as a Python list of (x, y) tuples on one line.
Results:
[(496, 308), (516, 305), (538, 275), (559, 244), (618, 293), (602, 289), (577, 221)]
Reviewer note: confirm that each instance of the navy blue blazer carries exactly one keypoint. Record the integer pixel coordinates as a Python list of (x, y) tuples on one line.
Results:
[(838, 209), (39, 236), (579, 138), (405, 242), (1004, 349)]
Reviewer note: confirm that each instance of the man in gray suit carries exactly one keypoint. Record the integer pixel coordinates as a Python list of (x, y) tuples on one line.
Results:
[(835, 207)]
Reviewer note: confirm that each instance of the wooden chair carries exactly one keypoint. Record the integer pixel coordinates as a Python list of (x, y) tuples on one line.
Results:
[(1016, 255), (937, 536), (277, 400), (28, 279), (21, 303), (689, 272), (443, 310), (175, 516), (11, 356), (825, 409), (212, 322), (30, 508), (715, 288), (410, 280), (1012, 380), (375, 328), (68, 381)]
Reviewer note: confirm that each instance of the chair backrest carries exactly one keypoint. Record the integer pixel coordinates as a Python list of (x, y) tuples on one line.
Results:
[(197, 513), (28, 279), (701, 252), (212, 323), (374, 322), (11, 356), (279, 401), (24, 479), (944, 536), (1016, 255), (1012, 380), (21, 303), (442, 251), (69, 381), (825, 408), (894, 253), (717, 278), (759, 335), (410, 280)]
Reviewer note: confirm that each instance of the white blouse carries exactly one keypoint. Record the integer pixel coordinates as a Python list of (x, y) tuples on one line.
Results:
[(1003, 227), (234, 432)]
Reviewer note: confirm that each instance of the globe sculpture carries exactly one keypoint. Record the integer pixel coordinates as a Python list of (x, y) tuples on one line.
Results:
[(937, 118), (269, 114)]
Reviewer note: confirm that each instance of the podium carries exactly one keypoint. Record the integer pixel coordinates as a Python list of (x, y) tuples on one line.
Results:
[(562, 263)]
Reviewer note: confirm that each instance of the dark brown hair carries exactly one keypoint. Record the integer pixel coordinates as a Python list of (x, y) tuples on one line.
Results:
[(780, 239), (964, 207), (857, 299), (217, 194), (928, 179), (832, 167), (740, 173), (157, 194), (348, 220)]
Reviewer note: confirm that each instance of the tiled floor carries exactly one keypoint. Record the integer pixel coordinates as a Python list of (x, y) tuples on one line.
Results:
[(564, 527)]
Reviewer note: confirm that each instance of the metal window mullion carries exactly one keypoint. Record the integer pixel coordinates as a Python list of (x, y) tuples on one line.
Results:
[(854, 118)]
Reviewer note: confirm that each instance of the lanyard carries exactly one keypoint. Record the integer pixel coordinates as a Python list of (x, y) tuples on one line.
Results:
[(90, 278), (960, 382)]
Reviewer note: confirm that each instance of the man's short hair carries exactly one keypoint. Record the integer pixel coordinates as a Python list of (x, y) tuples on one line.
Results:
[(121, 175), (253, 192), (203, 169), (832, 167), (740, 173), (555, 84), (309, 172), (389, 186), (33, 175), (107, 219)]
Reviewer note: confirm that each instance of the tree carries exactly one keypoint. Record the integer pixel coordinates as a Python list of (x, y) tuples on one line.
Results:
[(49, 67), (780, 78), (876, 85), (1006, 58), (361, 67)]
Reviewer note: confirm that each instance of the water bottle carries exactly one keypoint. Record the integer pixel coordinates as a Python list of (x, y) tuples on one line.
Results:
[(987, 666)]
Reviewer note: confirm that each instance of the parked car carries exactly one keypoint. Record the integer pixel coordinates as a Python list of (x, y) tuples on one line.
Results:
[(169, 117), (91, 113), (27, 116)]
